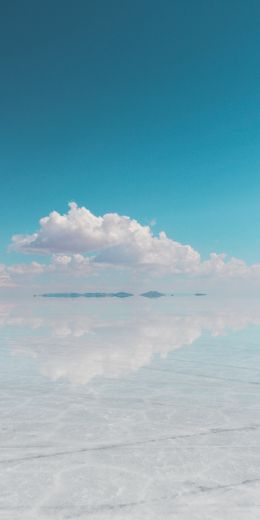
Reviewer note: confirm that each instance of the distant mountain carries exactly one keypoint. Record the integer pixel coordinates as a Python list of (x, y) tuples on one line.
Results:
[(153, 294), (121, 294), (61, 295)]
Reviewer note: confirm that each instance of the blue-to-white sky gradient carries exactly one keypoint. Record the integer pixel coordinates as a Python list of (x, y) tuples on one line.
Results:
[(141, 109)]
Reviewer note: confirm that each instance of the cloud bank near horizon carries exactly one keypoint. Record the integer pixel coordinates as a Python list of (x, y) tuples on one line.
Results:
[(80, 243)]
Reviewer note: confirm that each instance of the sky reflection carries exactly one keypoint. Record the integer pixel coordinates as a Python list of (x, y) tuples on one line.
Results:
[(83, 341)]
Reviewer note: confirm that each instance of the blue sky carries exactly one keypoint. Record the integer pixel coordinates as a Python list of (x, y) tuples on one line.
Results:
[(148, 109)]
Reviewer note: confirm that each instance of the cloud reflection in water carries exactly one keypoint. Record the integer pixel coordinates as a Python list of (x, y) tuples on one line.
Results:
[(79, 346)]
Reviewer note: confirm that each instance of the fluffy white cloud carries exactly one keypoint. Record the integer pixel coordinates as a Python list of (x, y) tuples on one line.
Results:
[(75, 263), (59, 263), (114, 240), (79, 231)]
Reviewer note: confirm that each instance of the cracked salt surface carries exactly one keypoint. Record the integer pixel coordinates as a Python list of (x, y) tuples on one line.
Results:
[(129, 411)]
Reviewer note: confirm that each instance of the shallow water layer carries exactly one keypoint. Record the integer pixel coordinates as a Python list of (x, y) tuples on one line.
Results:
[(130, 410)]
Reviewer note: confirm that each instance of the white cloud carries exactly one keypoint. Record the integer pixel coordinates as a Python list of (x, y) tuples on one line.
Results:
[(114, 240), (5, 278), (30, 269), (79, 231), (75, 264)]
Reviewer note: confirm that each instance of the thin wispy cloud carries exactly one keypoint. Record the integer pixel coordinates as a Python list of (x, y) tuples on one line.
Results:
[(5, 278)]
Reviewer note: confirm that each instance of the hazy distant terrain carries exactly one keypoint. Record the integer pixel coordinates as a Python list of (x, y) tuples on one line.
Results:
[(122, 294)]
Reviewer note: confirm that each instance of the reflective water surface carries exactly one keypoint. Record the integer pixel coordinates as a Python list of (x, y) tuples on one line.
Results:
[(130, 409)]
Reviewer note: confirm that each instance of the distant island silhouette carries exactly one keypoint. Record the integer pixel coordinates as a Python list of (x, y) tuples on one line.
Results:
[(120, 294), (153, 294)]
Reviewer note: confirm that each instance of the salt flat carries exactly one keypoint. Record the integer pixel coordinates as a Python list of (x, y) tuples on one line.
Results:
[(130, 409)]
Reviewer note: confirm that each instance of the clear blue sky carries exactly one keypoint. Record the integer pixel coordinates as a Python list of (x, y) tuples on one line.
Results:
[(145, 108)]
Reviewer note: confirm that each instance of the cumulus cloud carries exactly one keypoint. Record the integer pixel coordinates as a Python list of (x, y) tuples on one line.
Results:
[(81, 243), (79, 231), (112, 239), (73, 264)]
